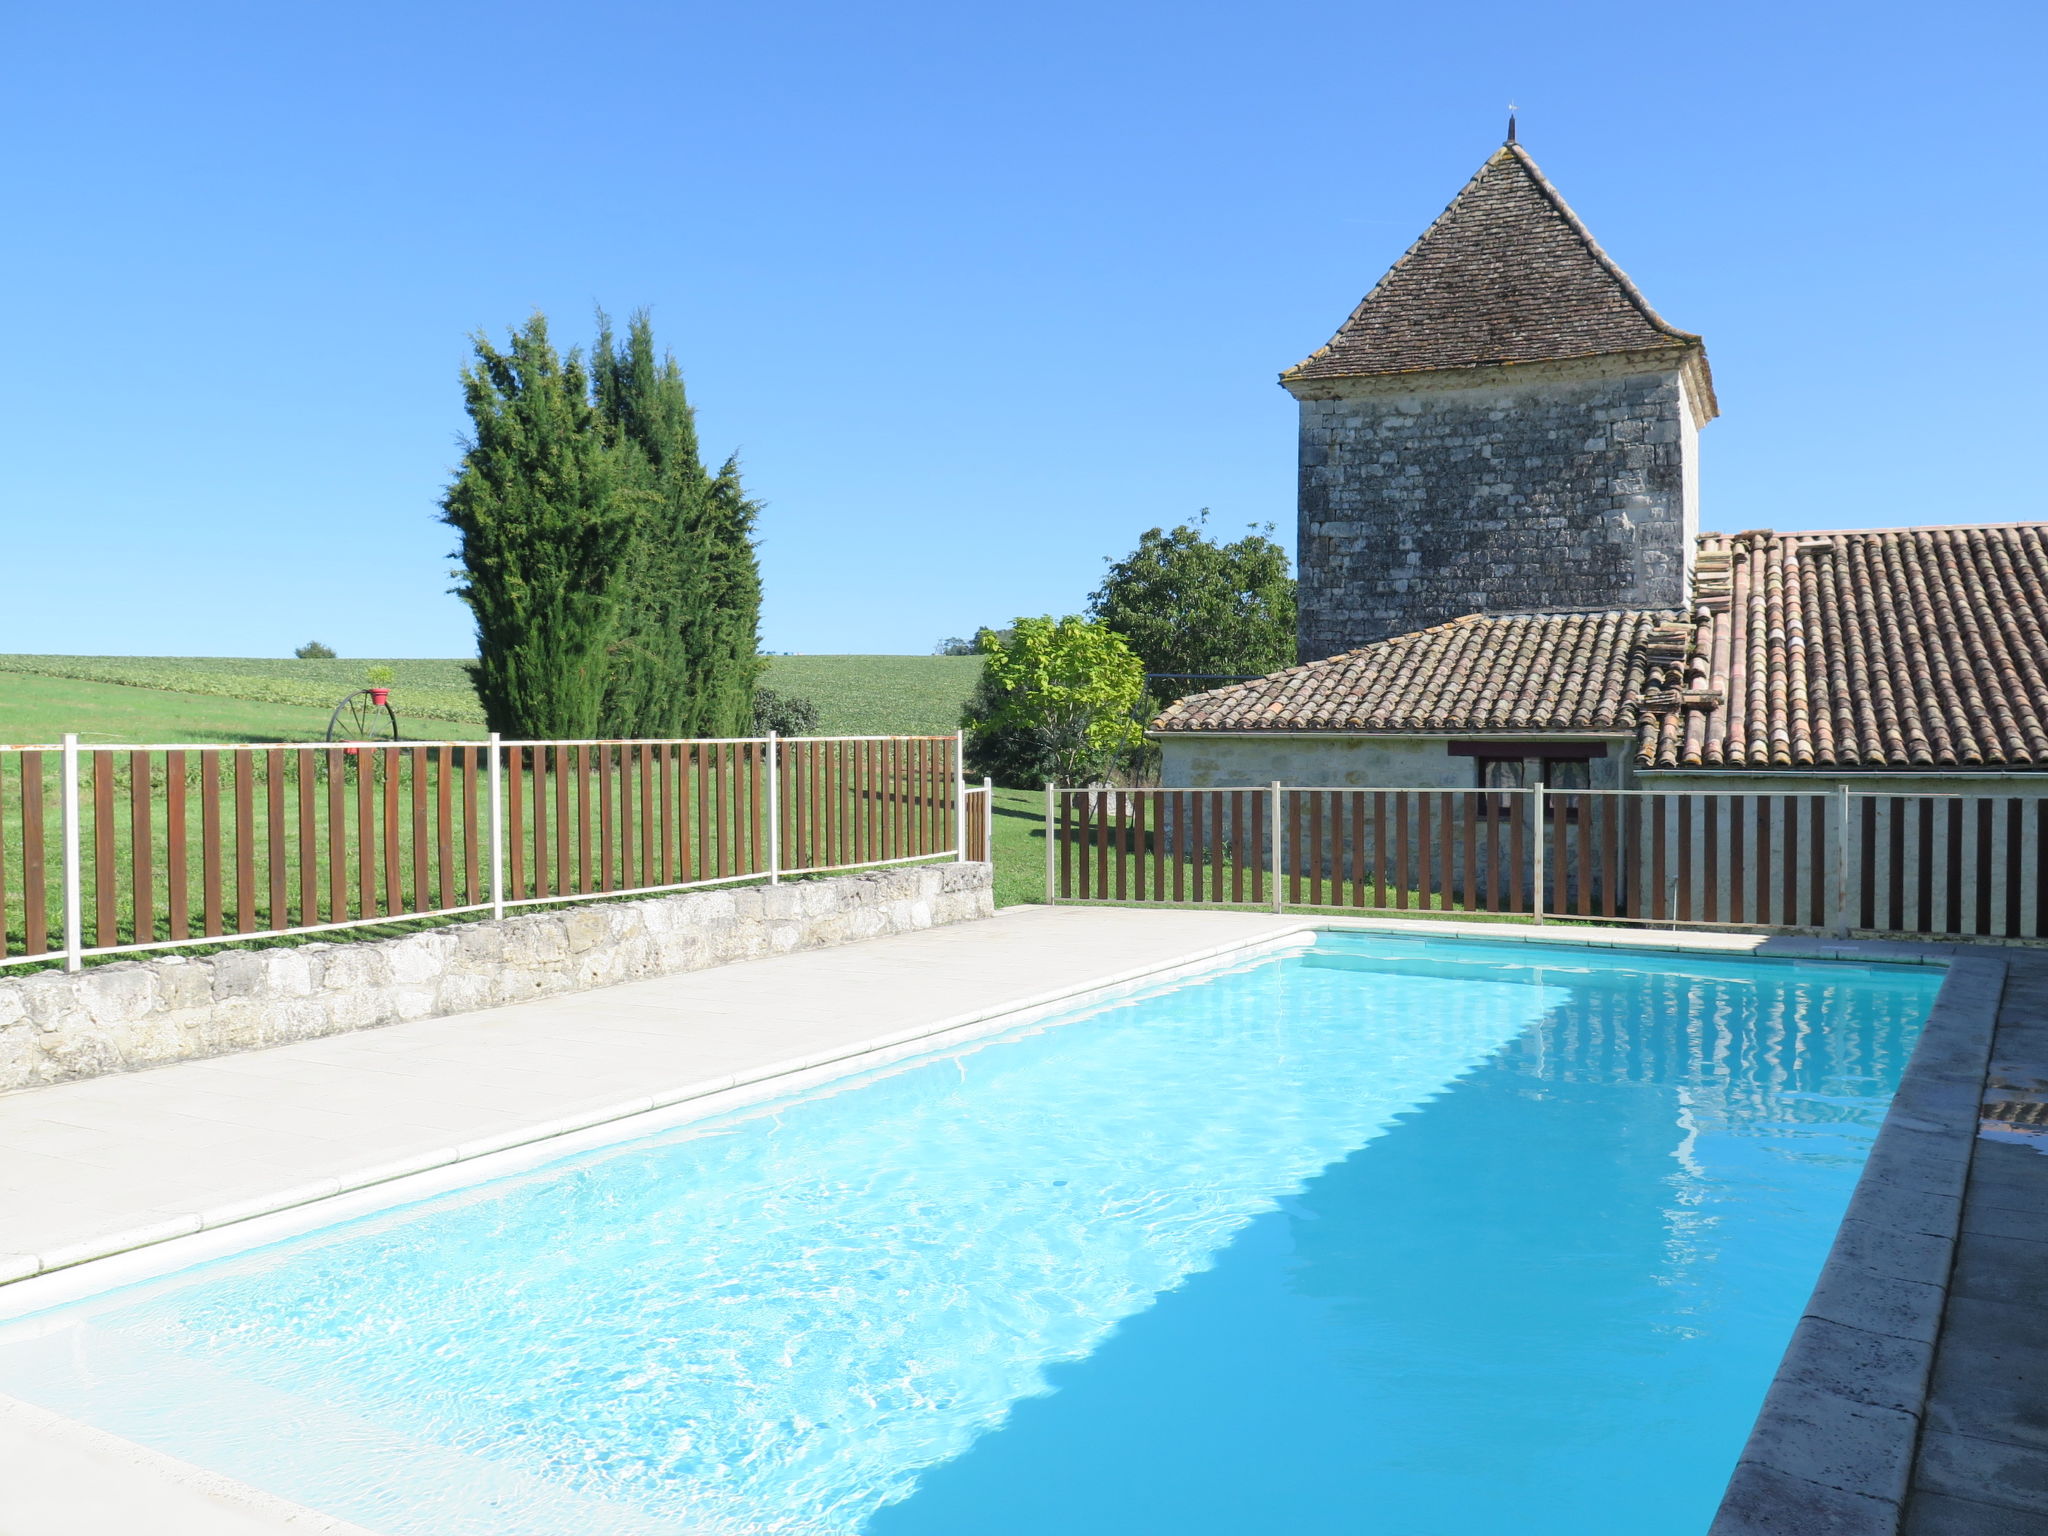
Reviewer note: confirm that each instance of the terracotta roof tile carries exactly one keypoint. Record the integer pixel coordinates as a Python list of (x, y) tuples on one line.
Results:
[(1484, 672), (1894, 648), (1506, 274)]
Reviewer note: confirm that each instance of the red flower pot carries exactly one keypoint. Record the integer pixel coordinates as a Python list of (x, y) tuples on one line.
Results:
[(380, 697)]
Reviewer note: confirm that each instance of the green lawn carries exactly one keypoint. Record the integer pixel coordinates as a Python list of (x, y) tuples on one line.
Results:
[(879, 695), (240, 698), (38, 709), (1019, 846)]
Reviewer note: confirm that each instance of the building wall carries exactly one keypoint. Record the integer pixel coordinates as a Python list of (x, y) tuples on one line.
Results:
[(1347, 762), (1502, 490)]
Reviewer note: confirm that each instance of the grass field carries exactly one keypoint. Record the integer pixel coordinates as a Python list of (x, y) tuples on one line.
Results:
[(37, 709), (228, 698)]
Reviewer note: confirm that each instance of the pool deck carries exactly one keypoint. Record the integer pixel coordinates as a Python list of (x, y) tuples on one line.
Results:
[(1982, 1463), (117, 1165)]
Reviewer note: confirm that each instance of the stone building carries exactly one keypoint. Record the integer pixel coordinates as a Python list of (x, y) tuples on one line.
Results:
[(1503, 425)]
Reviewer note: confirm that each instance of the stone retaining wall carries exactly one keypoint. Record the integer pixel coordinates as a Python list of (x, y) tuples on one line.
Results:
[(57, 1026)]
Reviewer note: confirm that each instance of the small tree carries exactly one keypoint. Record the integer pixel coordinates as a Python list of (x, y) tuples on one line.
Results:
[(1190, 605), (313, 650), (1055, 703), (786, 714)]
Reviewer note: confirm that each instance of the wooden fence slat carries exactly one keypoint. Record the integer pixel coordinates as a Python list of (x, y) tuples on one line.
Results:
[(35, 886), (1446, 880), (394, 889), (442, 760), (605, 783), (650, 874), (1162, 820), (1521, 889), (757, 826), (418, 891), (1177, 853), (276, 841), (1401, 882), (245, 840), (337, 835), (141, 852), (210, 840), (1064, 832), (1099, 812), (106, 881), (177, 874), (307, 800)]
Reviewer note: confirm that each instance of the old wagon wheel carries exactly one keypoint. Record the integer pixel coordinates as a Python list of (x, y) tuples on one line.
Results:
[(365, 715)]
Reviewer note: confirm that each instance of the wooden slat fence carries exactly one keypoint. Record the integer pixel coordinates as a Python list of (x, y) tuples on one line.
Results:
[(186, 844), (1965, 865)]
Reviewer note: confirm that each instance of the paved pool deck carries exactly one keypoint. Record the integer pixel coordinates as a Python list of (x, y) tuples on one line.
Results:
[(118, 1164), (1982, 1462)]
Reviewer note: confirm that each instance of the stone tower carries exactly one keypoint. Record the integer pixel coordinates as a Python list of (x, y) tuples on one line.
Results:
[(1503, 425)]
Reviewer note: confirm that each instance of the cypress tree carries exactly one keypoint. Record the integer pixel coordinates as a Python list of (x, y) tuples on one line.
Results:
[(545, 523), (664, 583), (684, 656), (730, 640)]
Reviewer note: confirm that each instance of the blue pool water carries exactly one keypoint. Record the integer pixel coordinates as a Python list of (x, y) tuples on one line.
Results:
[(1385, 1237)]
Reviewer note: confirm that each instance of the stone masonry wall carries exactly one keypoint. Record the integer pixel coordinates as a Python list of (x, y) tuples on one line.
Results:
[(56, 1026), (1421, 502)]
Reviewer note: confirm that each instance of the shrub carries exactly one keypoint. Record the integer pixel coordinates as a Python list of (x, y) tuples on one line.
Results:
[(313, 650), (1055, 704), (786, 714)]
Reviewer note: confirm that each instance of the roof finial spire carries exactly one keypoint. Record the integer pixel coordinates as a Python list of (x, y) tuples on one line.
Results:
[(1511, 122)]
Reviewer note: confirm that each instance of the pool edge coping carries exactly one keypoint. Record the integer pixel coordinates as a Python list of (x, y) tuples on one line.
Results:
[(1834, 1444)]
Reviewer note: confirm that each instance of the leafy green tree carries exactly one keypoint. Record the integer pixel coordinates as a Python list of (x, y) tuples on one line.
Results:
[(545, 523), (1055, 703), (314, 650), (1188, 604), (684, 659)]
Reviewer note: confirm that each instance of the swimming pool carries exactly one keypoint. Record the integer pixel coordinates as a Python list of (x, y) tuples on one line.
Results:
[(1384, 1235)]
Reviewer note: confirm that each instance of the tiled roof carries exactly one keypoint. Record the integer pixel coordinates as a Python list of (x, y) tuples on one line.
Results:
[(1500, 672), (1506, 274), (1892, 648)]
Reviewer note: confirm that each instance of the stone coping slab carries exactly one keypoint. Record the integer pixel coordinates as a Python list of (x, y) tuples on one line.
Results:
[(1832, 1452)]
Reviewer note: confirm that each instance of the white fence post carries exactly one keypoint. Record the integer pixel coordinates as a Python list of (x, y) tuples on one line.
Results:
[(497, 828), (988, 818), (1052, 889), (774, 810), (960, 797), (74, 897), (1279, 851), (1536, 894)]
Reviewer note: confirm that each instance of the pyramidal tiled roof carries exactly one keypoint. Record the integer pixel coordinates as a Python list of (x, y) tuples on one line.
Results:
[(1890, 648), (1484, 672), (1506, 274)]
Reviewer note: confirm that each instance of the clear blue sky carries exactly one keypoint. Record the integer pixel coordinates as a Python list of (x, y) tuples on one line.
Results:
[(978, 292)]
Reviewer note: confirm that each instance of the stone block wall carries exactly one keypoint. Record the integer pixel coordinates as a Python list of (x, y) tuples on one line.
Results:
[(1518, 490), (56, 1026)]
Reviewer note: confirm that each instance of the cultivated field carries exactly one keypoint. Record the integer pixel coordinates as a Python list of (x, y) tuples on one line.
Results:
[(240, 698)]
